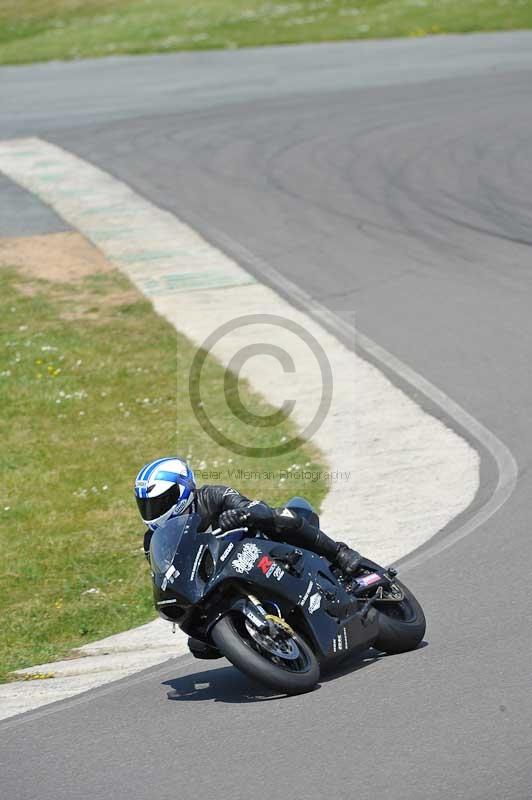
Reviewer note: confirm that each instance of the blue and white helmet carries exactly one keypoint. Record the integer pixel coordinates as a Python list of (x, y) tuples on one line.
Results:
[(164, 488)]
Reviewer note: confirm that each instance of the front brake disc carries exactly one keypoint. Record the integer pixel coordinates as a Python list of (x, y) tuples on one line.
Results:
[(280, 646)]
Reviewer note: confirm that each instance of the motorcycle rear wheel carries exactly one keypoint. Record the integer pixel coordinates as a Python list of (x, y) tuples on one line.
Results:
[(294, 676), (402, 625)]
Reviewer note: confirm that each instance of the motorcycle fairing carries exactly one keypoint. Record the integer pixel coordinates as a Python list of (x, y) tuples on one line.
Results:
[(310, 591), (299, 581)]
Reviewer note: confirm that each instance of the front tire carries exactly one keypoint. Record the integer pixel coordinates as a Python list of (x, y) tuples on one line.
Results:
[(402, 624), (290, 677)]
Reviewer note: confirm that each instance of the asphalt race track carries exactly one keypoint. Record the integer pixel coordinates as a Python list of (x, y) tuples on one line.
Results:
[(394, 179)]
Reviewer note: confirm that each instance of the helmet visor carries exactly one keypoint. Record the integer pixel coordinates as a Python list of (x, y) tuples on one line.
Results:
[(154, 507)]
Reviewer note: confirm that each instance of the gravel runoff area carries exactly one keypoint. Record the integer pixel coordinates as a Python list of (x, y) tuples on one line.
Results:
[(400, 473)]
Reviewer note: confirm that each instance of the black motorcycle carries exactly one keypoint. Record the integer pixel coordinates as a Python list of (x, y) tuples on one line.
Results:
[(280, 614)]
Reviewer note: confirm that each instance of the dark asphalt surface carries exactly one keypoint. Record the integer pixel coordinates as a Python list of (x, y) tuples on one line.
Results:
[(409, 202), (23, 214)]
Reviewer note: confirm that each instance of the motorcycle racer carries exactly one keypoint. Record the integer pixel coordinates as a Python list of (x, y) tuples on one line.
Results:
[(166, 488)]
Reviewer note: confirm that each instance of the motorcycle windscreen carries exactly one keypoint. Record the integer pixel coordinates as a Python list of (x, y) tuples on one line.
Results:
[(166, 539)]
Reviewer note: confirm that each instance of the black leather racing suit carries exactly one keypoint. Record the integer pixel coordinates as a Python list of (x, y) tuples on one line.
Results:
[(212, 500)]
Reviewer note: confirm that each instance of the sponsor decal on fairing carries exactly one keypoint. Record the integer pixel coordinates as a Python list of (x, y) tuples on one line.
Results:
[(226, 551), (340, 641), (274, 570), (169, 576), (306, 595), (265, 564), (314, 602), (245, 560), (197, 561)]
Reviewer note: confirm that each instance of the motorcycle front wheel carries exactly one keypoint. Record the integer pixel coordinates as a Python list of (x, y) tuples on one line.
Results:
[(286, 664)]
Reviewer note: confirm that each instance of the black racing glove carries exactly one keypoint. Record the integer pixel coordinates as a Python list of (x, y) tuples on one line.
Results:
[(256, 515), (347, 559), (233, 518)]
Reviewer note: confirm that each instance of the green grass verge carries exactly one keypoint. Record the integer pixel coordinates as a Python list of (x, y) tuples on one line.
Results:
[(87, 397), (39, 30)]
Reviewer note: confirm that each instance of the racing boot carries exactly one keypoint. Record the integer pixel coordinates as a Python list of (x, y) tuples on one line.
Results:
[(346, 559)]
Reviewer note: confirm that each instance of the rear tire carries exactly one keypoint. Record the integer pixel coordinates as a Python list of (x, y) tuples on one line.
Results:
[(402, 625), (230, 638)]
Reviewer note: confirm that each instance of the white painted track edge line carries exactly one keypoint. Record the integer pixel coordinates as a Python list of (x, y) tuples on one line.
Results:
[(507, 468)]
